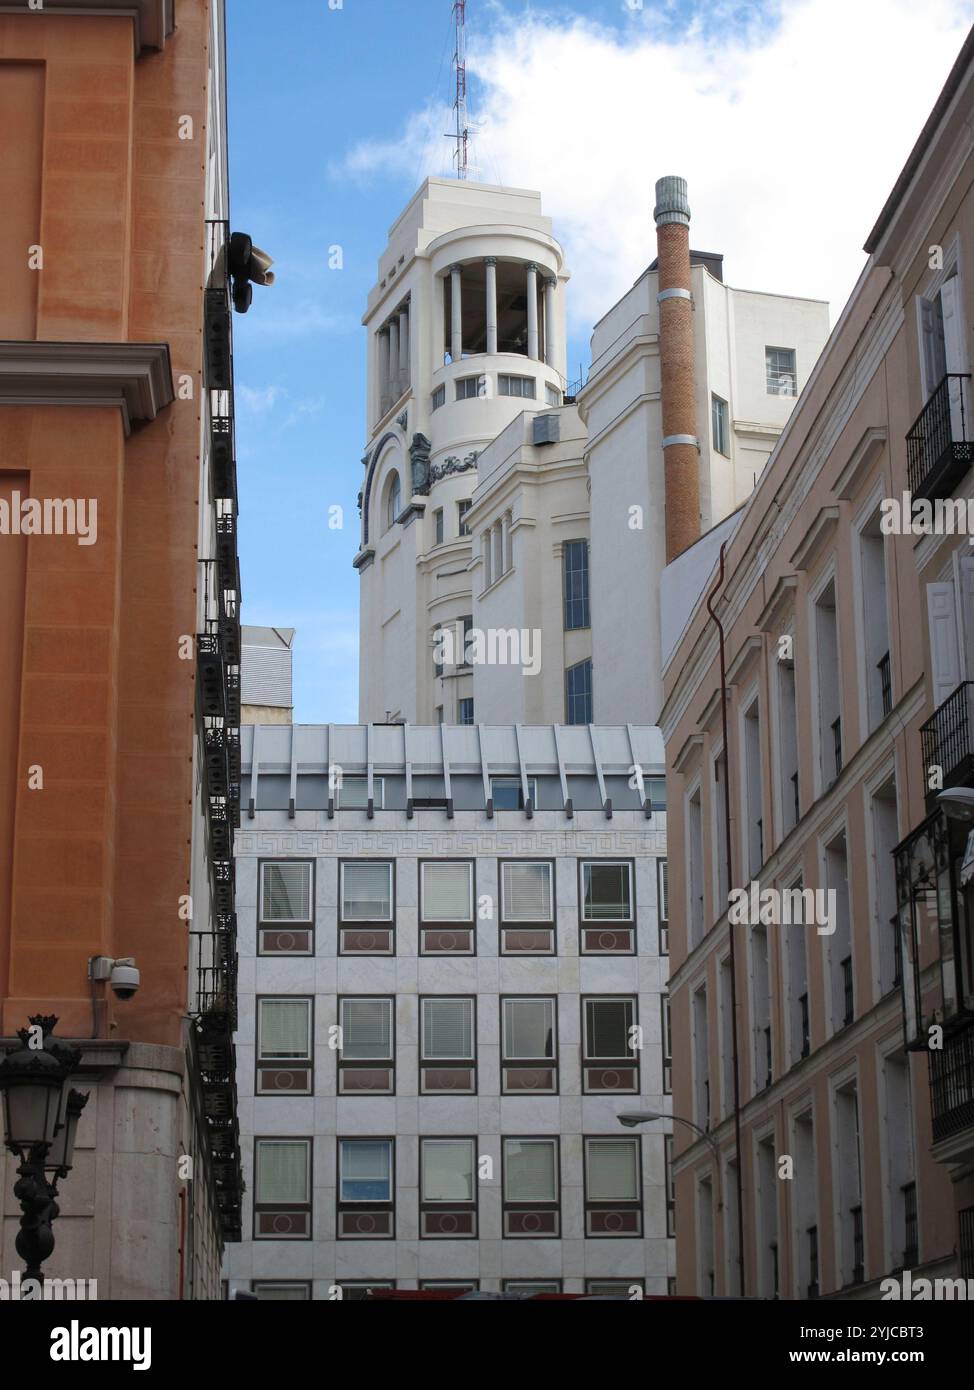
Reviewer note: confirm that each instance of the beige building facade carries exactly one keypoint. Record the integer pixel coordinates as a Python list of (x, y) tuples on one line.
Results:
[(844, 1015)]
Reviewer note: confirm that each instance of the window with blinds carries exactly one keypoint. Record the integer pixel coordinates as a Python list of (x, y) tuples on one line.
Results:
[(447, 1033), (608, 1025), (526, 893), (507, 794), (283, 1030), (283, 1171), (447, 1170), (366, 1026), (353, 794), (528, 1029), (612, 1170), (606, 892), (530, 1170), (365, 1170), (367, 892), (446, 891), (285, 892)]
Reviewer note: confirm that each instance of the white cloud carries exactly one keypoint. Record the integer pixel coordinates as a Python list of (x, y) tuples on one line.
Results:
[(261, 400), (790, 129)]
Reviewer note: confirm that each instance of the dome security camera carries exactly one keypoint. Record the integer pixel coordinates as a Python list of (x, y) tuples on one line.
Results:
[(125, 978)]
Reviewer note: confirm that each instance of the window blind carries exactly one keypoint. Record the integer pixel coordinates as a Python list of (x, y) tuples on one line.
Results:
[(664, 892), (527, 892), (448, 1170), (607, 1024), (366, 1029), (282, 1170), (529, 1170), (366, 1170), (286, 895), (447, 1029), (528, 1028), (285, 1028), (606, 896), (612, 1175), (447, 893), (367, 892)]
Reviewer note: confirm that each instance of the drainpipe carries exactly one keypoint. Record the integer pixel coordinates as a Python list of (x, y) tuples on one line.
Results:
[(681, 447), (730, 926)]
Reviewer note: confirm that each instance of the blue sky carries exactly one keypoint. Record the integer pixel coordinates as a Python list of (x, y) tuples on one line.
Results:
[(789, 141)]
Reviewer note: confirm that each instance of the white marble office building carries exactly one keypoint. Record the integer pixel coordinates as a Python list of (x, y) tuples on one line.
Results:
[(452, 981)]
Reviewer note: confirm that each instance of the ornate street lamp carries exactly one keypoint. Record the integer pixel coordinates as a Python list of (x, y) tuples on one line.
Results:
[(40, 1119)]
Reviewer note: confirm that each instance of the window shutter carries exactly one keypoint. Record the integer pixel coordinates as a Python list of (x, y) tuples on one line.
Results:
[(530, 1171), (447, 1029), (528, 1029), (607, 1024), (282, 1171), (664, 892), (606, 893), (366, 1029), (367, 892), (287, 893), (447, 893), (284, 1028), (944, 651), (447, 1170), (612, 1173), (527, 892), (353, 794)]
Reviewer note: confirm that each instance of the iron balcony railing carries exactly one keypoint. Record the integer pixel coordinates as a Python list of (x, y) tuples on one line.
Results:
[(812, 1234), (965, 1231), (885, 684), (806, 1036), (848, 1003), (858, 1269), (837, 745), (946, 741), (952, 1082), (939, 450), (911, 1252)]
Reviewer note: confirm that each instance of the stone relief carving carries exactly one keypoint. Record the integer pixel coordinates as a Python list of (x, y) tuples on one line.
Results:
[(452, 464)]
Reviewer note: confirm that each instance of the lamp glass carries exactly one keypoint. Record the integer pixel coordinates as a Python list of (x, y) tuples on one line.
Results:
[(31, 1112)]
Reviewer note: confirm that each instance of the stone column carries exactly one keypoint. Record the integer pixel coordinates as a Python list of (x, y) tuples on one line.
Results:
[(533, 311), (383, 344), (403, 349), (491, 265), (456, 317), (550, 344)]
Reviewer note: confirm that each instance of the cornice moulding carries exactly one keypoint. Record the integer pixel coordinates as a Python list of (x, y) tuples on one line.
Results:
[(134, 377)]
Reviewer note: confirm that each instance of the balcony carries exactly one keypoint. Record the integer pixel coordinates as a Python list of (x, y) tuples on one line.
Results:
[(885, 684), (945, 741), (911, 1250), (858, 1268), (938, 447), (952, 1083)]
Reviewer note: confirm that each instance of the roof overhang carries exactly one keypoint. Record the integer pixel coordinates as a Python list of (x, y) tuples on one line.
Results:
[(154, 19)]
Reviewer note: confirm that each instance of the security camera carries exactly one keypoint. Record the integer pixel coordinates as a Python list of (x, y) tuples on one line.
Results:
[(122, 974)]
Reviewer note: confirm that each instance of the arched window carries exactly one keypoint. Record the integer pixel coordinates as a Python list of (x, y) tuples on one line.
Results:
[(393, 500)]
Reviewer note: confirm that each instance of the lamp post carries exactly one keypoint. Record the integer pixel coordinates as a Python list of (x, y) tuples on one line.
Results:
[(40, 1119)]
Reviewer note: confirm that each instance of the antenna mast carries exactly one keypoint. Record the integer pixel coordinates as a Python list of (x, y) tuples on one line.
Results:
[(460, 103)]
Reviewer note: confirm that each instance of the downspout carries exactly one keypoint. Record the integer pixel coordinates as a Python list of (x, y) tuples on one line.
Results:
[(730, 925)]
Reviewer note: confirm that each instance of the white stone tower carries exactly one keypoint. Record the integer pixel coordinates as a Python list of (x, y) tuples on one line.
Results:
[(466, 328)]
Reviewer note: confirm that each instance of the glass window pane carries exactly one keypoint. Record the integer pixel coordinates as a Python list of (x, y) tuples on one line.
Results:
[(284, 1029), (529, 1170), (286, 893), (447, 893), (578, 693), (611, 1170), (366, 1030), (366, 1170), (528, 1029), (367, 892), (527, 892), (447, 1030), (606, 893), (290, 1293), (607, 1028), (282, 1170), (448, 1170), (353, 794)]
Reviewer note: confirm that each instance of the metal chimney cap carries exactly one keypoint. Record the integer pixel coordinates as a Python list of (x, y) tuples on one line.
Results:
[(671, 201)]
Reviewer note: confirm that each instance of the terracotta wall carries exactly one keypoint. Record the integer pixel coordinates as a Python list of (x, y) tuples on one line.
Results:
[(102, 854)]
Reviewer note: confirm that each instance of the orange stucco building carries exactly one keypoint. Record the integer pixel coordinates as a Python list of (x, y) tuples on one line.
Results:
[(113, 189)]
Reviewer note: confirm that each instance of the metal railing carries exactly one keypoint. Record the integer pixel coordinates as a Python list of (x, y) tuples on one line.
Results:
[(945, 739), (837, 744), (806, 1035), (858, 1268), (885, 683), (812, 1234), (938, 448), (965, 1232), (911, 1252), (952, 1083), (848, 1002)]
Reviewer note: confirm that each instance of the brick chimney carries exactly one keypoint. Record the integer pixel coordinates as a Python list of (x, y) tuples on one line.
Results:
[(681, 449)]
